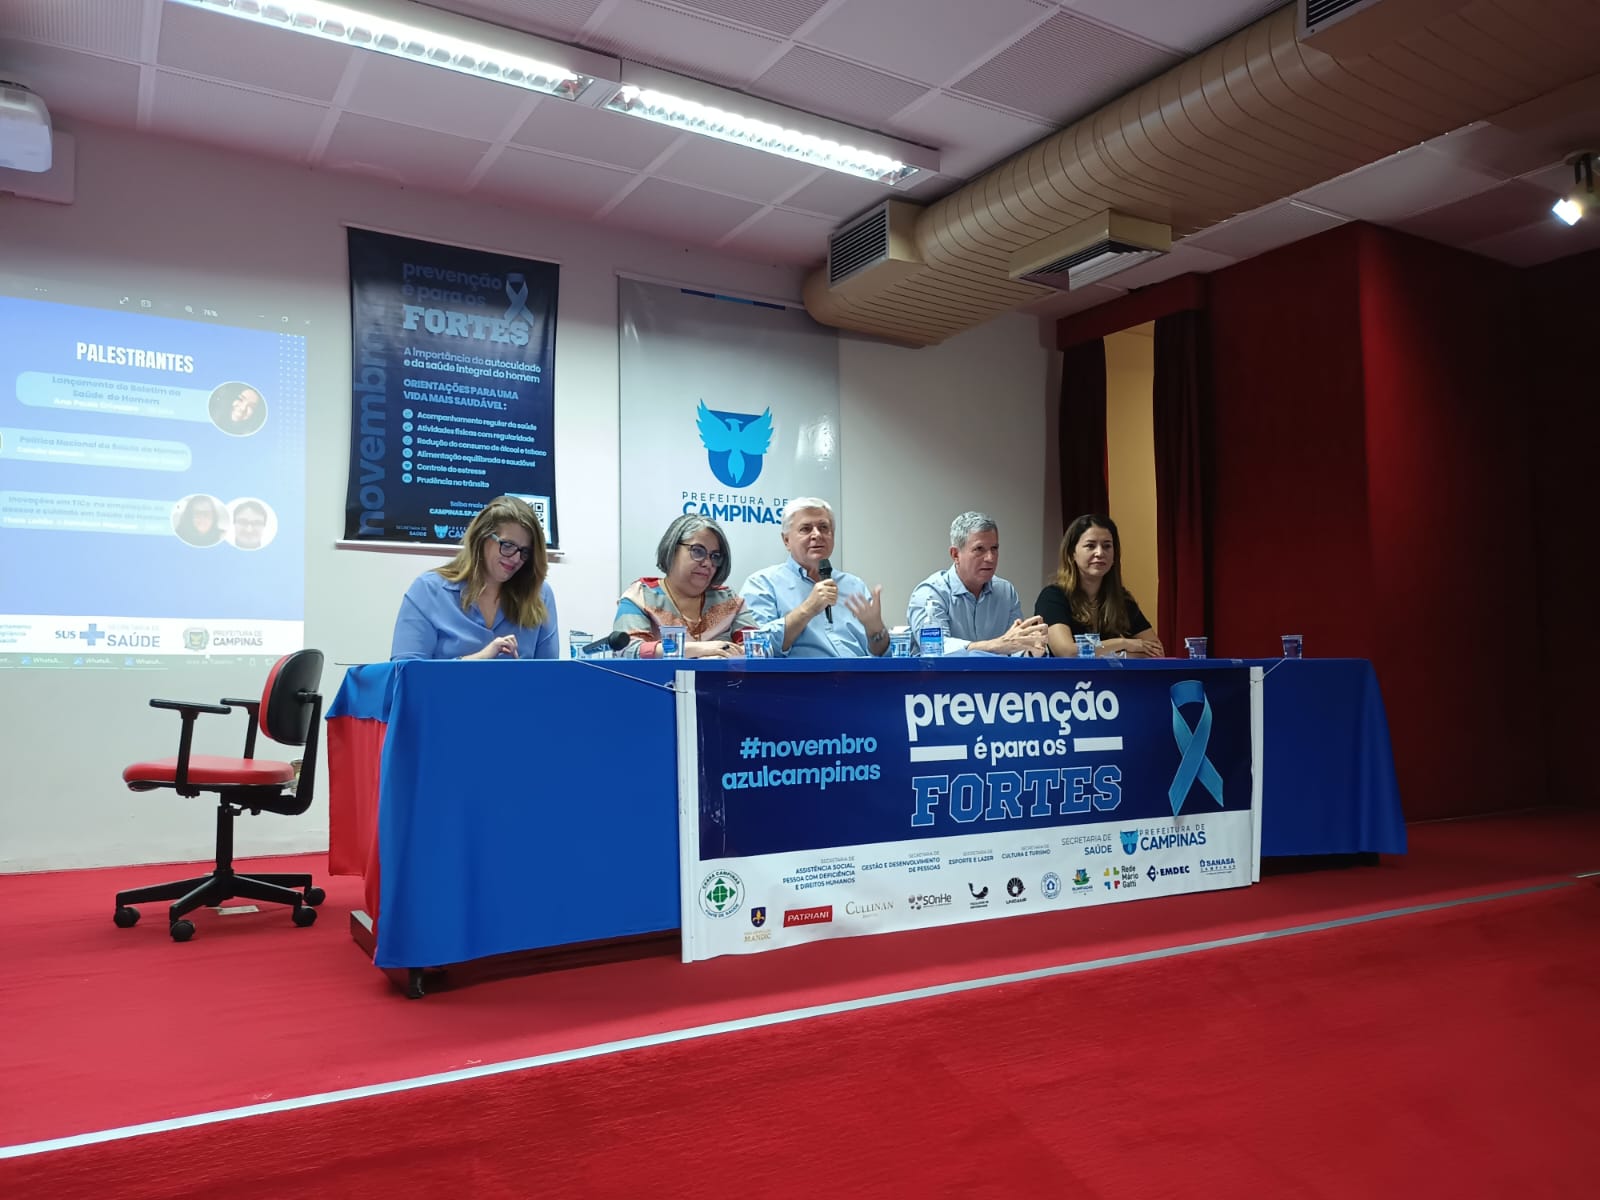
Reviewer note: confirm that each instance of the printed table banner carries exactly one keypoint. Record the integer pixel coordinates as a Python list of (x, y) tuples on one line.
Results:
[(453, 388), (728, 408), (879, 798)]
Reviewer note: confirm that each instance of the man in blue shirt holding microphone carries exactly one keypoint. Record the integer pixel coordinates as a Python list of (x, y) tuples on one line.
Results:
[(976, 609), (809, 609)]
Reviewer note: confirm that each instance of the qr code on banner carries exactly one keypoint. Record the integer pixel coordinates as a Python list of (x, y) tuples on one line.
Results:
[(541, 509)]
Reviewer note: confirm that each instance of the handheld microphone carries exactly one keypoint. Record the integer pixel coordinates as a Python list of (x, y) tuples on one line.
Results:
[(825, 570), (612, 641)]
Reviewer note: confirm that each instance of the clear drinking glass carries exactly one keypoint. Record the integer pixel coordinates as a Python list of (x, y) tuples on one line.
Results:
[(673, 638)]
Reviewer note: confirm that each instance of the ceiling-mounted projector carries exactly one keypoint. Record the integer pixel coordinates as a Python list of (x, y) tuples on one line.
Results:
[(24, 129)]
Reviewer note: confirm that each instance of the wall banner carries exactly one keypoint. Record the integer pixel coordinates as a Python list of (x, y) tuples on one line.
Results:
[(728, 408), (839, 803), (453, 388)]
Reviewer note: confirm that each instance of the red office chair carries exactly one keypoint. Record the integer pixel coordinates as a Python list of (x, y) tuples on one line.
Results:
[(289, 711)]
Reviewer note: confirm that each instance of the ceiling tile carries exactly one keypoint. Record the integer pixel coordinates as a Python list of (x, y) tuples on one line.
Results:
[(1541, 242), (781, 236), (679, 212), (1264, 229), (1557, 179), (781, 17), (235, 117), (1498, 151), (557, 184), (969, 136), (928, 188), (701, 47), (1065, 68), (594, 133), (1190, 26), (930, 40), (831, 87), (555, 18), (275, 60), (92, 25), (737, 170), (73, 84), (1183, 260), (432, 98), (1398, 186), (838, 196), (1499, 210), (404, 153), (1064, 304)]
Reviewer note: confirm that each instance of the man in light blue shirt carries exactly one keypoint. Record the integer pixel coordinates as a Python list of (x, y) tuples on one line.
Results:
[(976, 609), (812, 611)]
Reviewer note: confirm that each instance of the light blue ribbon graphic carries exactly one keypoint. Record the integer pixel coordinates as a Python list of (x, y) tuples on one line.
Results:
[(517, 293), (1192, 745)]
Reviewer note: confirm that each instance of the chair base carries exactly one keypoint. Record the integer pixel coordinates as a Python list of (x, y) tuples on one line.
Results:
[(208, 891)]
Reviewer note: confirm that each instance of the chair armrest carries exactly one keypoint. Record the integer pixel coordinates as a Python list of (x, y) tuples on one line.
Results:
[(188, 712), (189, 708), (253, 707)]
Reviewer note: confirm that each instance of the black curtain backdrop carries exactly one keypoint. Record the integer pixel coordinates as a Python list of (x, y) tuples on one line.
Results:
[(1182, 409), (1082, 431)]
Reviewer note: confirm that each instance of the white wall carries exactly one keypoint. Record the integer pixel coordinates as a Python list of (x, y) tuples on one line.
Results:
[(924, 435)]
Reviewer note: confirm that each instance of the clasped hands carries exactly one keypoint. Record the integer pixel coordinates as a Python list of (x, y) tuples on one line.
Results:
[(1026, 637), (500, 647)]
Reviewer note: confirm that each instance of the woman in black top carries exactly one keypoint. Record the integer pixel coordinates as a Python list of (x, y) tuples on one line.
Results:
[(1088, 596)]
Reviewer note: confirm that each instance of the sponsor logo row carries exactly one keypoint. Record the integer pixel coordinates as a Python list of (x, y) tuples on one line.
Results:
[(722, 893)]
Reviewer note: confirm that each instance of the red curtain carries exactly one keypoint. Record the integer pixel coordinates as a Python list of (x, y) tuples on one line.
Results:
[(1082, 432), (1181, 399)]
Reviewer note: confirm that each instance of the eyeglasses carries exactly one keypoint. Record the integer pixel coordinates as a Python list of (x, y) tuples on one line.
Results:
[(699, 553), (508, 548)]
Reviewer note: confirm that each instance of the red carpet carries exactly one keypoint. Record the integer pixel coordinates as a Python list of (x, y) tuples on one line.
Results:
[(123, 1026), (1449, 1053)]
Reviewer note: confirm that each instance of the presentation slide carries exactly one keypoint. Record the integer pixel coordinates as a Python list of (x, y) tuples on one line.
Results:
[(152, 484)]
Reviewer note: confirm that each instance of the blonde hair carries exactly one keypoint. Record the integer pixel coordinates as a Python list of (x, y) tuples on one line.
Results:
[(521, 596), (1106, 613)]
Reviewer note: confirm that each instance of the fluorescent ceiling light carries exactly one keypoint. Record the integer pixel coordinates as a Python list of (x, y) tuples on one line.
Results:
[(428, 35), (729, 116)]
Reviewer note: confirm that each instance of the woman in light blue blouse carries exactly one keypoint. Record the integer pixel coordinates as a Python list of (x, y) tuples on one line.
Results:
[(489, 601)]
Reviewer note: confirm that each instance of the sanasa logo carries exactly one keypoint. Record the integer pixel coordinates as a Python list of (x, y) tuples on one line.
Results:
[(1217, 866), (821, 915)]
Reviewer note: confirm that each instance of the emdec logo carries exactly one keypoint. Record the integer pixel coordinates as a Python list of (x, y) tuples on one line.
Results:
[(735, 443)]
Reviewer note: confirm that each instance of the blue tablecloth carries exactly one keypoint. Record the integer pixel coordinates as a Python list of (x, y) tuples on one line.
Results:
[(531, 804)]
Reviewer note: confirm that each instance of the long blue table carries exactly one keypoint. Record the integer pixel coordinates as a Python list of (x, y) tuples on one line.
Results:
[(524, 805)]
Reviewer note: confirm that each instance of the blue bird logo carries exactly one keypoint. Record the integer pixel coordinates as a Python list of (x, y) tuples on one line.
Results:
[(735, 443)]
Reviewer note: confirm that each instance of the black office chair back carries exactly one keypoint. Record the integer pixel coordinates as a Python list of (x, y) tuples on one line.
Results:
[(288, 705)]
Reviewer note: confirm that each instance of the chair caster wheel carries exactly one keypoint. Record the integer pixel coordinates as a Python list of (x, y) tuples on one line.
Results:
[(125, 917), (315, 896), (181, 930), (304, 916)]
